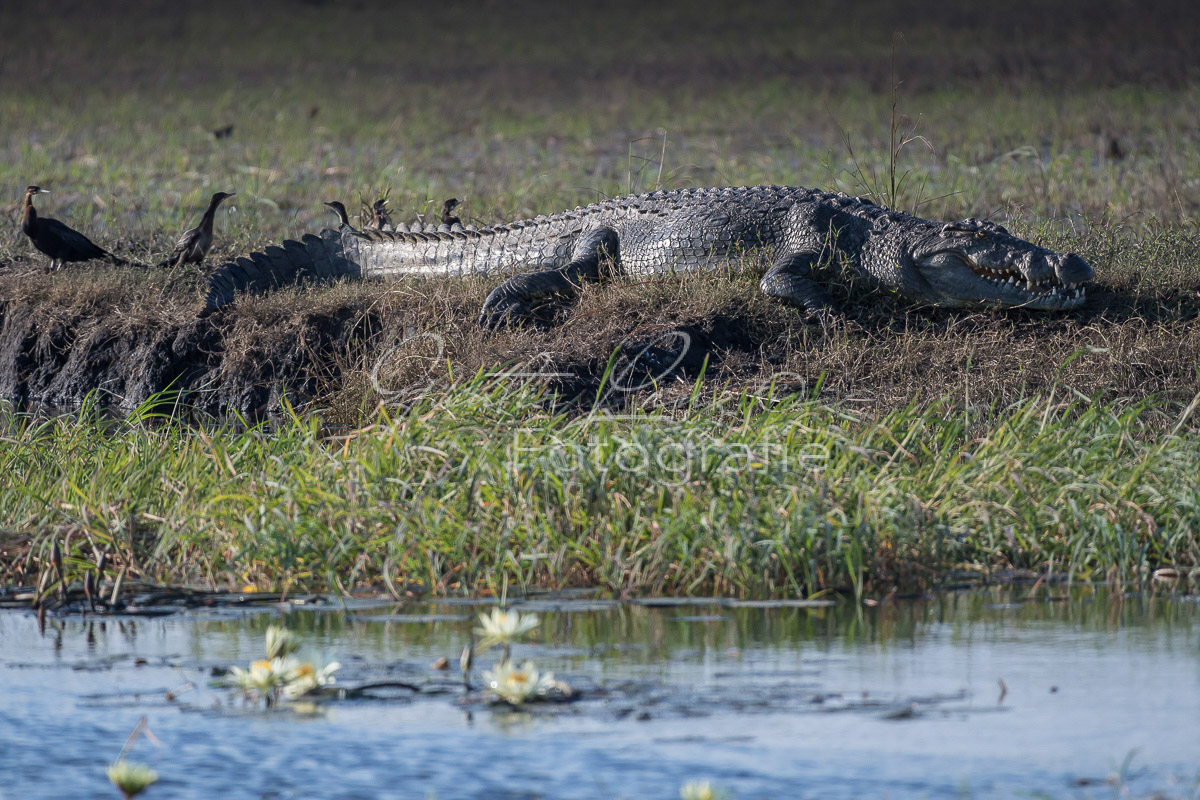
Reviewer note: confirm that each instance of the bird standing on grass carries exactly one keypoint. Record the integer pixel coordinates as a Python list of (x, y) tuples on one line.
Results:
[(448, 217), (195, 243), (56, 240)]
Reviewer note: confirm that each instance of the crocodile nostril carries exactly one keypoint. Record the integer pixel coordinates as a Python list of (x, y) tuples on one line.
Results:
[(1073, 269)]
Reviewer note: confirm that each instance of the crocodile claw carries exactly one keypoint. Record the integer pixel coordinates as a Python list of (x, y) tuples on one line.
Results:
[(502, 312)]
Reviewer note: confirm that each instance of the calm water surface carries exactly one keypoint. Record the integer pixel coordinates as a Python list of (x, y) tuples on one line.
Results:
[(899, 701)]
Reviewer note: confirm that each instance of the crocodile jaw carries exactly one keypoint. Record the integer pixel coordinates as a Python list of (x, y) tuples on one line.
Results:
[(1043, 284)]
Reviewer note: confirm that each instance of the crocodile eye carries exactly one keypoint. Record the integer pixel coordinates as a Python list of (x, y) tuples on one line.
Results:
[(980, 234)]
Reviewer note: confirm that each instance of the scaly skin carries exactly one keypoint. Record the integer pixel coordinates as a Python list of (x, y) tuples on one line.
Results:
[(966, 263)]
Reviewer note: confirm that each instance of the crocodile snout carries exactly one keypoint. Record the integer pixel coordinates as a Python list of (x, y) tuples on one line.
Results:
[(1073, 269)]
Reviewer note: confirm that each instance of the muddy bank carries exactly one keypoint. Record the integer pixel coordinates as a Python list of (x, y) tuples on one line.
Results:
[(47, 362), (122, 337), (127, 334)]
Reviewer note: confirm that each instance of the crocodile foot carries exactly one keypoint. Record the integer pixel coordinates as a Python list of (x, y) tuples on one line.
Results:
[(501, 310)]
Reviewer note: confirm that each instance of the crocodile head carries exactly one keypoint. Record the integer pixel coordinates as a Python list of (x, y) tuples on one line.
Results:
[(975, 262)]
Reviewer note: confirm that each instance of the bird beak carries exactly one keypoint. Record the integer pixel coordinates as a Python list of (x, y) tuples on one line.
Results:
[(42, 191)]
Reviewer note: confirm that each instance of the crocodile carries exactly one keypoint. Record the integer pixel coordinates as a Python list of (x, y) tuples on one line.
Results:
[(968, 263)]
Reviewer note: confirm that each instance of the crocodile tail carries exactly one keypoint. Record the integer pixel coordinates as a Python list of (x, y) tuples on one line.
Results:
[(313, 258)]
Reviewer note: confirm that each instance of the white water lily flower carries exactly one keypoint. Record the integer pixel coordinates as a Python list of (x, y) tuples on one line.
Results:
[(518, 685), (131, 778), (308, 675), (280, 642), (263, 677), (504, 627), (701, 790)]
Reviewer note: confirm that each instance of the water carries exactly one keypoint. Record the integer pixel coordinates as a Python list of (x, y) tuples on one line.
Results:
[(899, 701)]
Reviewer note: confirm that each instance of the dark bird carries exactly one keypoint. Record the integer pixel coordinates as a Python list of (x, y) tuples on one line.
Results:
[(223, 132), (340, 210), (57, 240), (313, 111), (448, 217), (195, 243), (379, 215)]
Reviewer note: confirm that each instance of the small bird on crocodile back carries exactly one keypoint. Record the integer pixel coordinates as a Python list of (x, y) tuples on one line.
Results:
[(448, 217), (343, 218), (377, 215)]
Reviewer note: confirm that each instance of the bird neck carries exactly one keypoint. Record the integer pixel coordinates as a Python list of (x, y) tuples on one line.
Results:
[(30, 216), (210, 213)]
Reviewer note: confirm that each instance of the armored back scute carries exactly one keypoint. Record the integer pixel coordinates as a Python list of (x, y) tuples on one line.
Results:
[(313, 258)]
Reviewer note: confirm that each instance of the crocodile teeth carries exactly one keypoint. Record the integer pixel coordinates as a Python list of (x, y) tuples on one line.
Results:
[(1065, 293), (1058, 292)]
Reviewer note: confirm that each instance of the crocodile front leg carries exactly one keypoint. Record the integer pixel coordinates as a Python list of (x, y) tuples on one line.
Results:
[(790, 279), (595, 257)]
